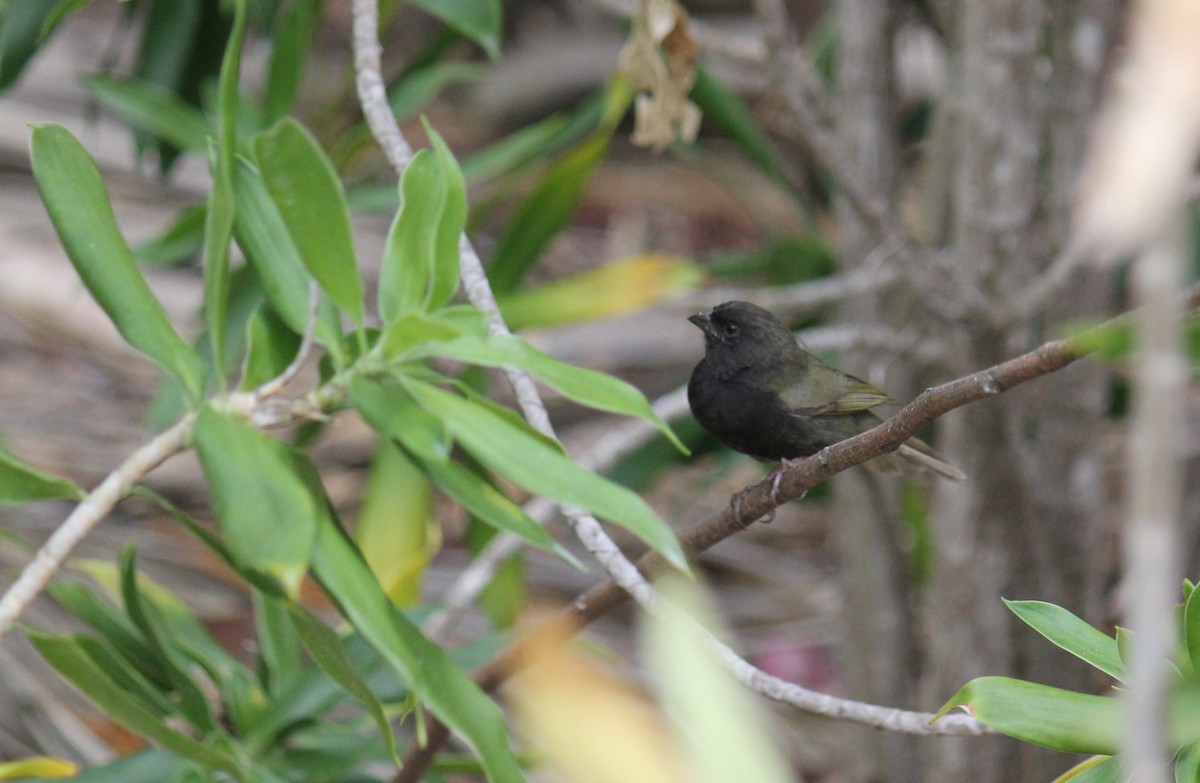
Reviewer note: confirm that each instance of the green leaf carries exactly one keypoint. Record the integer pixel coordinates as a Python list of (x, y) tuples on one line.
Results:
[(410, 330), (269, 250), (114, 628), (309, 197), (39, 767), (218, 217), (152, 108), (271, 347), (518, 148), (178, 243), (492, 506), (21, 34), (545, 212), (586, 387), (418, 86), (420, 261), (436, 680), (520, 456), (1191, 629), (723, 109), (396, 531), (326, 648), (1071, 634), (279, 649), (393, 413), (151, 765), (1097, 769), (74, 195), (20, 482), (478, 20), (1050, 717), (65, 654), (290, 46), (267, 510)]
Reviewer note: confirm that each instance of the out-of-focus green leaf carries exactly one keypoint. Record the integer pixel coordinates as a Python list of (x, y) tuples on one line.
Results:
[(1097, 769), (420, 262), (269, 249), (180, 242), (436, 680), (218, 217), (724, 109), (152, 765), (309, 197), (587, 387), (326, 648), (1191, 629), (67, 657), (725, 732), (613, 288), (393, 413), (516, 149), (290, 46), (20, 482), (420, 85), (152, 108), (37, 767), (78, 204), (279, 648), (21, 34), (1187, 766), (478, 20), (268, 513), (1050, 717), (516, 453), (113, 626), (410, 330), (544, 213), (397, 532), (271, 347), (1071, 634)]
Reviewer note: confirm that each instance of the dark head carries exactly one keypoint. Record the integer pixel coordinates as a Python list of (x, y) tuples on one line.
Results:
[(745, 330)]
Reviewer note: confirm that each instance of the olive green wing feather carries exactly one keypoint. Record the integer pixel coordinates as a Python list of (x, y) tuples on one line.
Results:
[(824, 391)]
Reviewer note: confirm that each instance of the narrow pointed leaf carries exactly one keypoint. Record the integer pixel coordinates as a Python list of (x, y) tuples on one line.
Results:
[(436, 680), (268, 513), (408, 256), (75, 197), (1050, 717), (391, 411), (478, 20), (290, 47), (326, 648), (445, 271), (586, 387), (67, 657), (37, 767), (522, 457), (1071, 634), (152, 108), (309, 197), (20, 482)]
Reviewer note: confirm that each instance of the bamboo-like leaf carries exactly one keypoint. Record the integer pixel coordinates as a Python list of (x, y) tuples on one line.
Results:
[(269, 249), (436, 680), (1071, 634), (393, 413), (268, 513), (326, 648), (152, 108), (67, 657), (309, 197), (478, 20), (1050, 717), (586, 387), (516, 453), (290, 46), (21, 482), (75, 197)]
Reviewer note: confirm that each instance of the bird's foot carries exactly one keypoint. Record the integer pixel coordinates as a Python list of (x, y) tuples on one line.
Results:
[(823, 457)]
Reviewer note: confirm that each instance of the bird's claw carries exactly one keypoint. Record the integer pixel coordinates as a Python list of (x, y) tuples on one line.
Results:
[(737, 501), (823, 457)]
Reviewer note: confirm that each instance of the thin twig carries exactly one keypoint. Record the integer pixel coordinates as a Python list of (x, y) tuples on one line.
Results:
[(278, 384), (90, 511)]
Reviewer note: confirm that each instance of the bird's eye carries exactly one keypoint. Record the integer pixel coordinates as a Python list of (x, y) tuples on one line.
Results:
[(731, 329)]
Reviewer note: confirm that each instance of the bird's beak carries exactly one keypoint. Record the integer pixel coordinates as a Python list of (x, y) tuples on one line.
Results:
[(703, 321)]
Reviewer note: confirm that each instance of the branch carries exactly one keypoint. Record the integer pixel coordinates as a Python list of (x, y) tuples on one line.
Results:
[(757, 503), (90, 511)]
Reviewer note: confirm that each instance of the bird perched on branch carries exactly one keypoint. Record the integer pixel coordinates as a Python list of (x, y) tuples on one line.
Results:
[(758, 392)]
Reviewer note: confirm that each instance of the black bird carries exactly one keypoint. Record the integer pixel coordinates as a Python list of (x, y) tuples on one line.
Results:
[(758, 392)]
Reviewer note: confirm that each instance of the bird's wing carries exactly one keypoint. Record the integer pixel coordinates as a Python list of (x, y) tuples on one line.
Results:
[(829, 392)]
